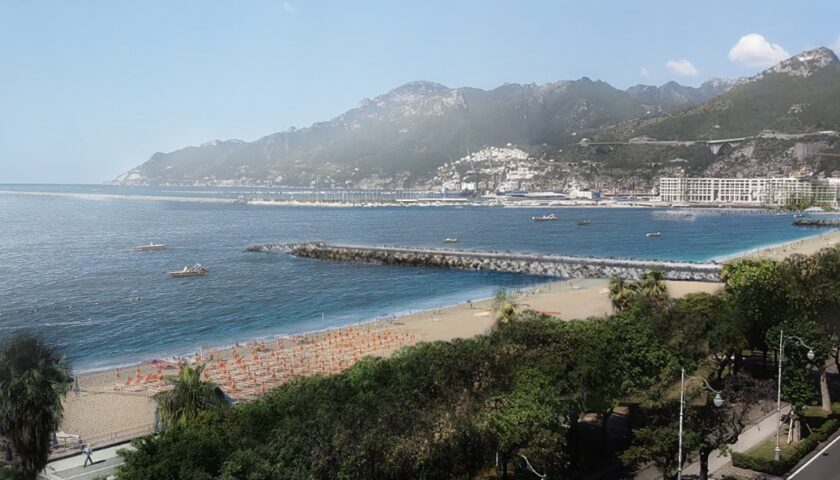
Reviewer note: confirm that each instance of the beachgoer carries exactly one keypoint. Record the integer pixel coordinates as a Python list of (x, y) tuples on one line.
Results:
[(87, 451), (76, 388)]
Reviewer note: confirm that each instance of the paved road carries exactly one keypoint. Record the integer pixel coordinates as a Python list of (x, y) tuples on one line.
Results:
[(72, 468), (824, 465)]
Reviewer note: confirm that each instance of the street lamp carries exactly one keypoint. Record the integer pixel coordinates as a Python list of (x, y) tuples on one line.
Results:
[(777, 452), (718, 401), (528, 464)]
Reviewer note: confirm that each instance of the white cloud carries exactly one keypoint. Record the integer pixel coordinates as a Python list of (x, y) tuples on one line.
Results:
[(836, 45), (681, 67), (753, 50), (289, 8), (644, 73)]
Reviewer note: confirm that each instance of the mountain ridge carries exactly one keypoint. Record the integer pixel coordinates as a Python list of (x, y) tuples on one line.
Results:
[(400, 138)]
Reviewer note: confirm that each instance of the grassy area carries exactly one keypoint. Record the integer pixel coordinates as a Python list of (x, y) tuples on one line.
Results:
[(767, 448), (814, 418)]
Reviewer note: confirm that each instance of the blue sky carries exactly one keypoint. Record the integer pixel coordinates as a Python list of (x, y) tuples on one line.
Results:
[(89, 89)]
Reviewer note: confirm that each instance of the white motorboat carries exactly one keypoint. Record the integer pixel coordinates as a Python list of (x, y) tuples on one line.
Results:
[(195, 271), (545, 218), (151, 246)]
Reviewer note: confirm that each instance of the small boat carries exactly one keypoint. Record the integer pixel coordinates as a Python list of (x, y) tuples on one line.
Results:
[(451, 240), (195, 271), (585, 222), (545, 218), (151, 246), (653, 234)]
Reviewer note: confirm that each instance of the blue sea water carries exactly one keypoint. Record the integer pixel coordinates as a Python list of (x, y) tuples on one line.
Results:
[(69, 272)]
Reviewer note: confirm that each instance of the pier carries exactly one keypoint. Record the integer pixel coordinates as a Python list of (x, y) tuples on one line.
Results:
[(564, 266)]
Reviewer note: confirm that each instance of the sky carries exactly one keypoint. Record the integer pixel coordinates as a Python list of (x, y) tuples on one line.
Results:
[(90, 89)]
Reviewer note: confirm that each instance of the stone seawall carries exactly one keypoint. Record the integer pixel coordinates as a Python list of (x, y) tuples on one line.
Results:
[(533, 264)]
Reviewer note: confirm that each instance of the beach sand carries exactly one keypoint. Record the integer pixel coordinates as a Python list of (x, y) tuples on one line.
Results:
[(100, 416), (807, 246)]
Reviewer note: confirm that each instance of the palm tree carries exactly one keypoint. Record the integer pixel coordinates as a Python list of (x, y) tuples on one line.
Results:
[(504, 307), (189, 398), (33, 378), (651, 287), (621, 292)]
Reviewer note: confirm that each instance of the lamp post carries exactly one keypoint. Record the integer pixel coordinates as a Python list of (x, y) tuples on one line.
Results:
[(718, 401), (531, 469), (777, 452)]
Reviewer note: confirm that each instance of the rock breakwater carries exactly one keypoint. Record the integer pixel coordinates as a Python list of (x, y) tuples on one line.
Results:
[(565, 266)]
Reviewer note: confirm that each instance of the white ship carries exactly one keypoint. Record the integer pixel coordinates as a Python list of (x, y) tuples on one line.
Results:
[(151, 246), (195, 271)]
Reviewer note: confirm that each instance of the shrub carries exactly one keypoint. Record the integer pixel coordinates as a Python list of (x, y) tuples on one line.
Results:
[(791, 457)]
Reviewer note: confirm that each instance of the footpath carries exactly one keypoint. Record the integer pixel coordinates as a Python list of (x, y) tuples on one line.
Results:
[(105, 464), (750, 437)]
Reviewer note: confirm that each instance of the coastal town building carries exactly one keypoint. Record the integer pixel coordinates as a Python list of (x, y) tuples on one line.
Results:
[(750, 191)]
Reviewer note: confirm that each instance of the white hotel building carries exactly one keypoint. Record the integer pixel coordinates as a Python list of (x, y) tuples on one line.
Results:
[(749, 191)]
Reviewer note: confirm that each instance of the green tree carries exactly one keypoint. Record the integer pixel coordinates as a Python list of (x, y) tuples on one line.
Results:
[(33, 379), (650, 287), (621, 292), (189, 397), (717, 428), (705, 325), (816, 295), (504, 306), (797, 384), (758, 289), (658, 443), (193, 451), (531, 409)]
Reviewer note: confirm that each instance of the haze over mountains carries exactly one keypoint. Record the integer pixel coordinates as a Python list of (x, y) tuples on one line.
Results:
[(401, 138)]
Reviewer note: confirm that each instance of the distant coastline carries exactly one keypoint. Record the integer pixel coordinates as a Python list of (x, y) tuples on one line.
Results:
[(500, 202)]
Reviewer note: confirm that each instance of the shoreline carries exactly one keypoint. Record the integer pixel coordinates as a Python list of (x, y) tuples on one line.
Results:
[(814, 242), (105, 408), (537, 203)]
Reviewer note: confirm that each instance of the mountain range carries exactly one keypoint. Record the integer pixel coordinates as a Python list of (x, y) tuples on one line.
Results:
[(401, 137)]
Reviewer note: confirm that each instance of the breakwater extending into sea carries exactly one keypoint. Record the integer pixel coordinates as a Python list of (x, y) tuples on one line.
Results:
[(70, 270), (564, 266)]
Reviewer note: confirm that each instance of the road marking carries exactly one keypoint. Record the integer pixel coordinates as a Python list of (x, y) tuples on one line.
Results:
[(818, 455)]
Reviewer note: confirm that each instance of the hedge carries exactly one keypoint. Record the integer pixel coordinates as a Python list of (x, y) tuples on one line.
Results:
[(789, 458)]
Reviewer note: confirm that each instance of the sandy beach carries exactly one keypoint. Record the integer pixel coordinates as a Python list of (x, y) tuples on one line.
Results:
[(107, 410)]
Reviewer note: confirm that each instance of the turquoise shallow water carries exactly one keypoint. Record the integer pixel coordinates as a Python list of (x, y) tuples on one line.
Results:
[(69, 272)]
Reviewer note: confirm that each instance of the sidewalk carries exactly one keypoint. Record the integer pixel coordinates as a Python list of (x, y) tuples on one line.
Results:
[(71, 468), (752, 436)]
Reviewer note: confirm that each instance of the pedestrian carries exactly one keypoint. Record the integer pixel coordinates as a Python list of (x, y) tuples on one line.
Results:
[(87, 451)]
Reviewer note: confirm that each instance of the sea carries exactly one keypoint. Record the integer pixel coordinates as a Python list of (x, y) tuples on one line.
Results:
[(69, 270)]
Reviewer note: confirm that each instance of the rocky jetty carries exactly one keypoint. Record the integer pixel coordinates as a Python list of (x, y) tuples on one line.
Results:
[(816, 222), (564, 266), (268, 247)]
